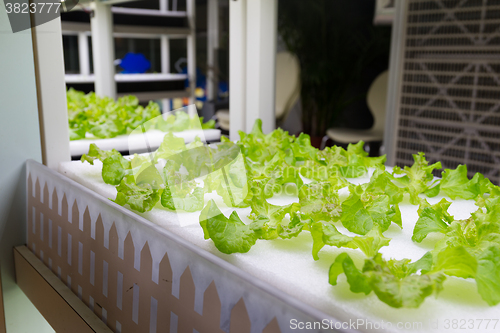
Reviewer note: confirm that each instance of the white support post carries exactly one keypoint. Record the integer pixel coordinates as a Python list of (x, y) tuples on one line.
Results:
[(165, 54), (191, 49), (165, 105), (165, 62), (51, 92), (395, 79), (83, 53), (262, 17), (103, 48), (237, 66), (212, 46), (163, 6)]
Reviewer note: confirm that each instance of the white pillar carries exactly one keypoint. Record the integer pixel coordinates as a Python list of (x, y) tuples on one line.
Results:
[(165, 105), (51, 92), (103, 49), (212, 46), (191, 49), (165, 61), (237, 66), (262, 16), (165, 54), (163, 6), (83, 53)]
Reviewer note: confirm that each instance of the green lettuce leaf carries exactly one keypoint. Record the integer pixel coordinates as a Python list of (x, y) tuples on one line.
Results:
[(230, 235), (359, 215), (358, 282), (433, 218), (351, 163), (190, 202), (417, 178), (327, 234), (488, 275), (394, 282), (456, 261), (114, 165), (267, 218), (104, 117), (320, 201), (140, 198), (456, 184)]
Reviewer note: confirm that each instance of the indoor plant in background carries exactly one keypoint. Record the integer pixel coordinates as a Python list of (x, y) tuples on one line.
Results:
[(336, 43)]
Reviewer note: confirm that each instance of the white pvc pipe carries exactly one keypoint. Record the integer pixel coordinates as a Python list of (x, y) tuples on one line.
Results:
[(165, 54), (212, 46), (103, 49), (51, 92), (83, 53), (262, 16), (237, 66), (191, 49)]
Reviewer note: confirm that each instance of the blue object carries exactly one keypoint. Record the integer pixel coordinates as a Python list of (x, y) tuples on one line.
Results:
[(135, 63), (223, 89)]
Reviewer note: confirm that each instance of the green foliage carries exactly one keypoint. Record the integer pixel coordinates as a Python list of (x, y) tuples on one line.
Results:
[(230, 235), (259, 166), (327, 234), (115, 166), (104, 118), (141, 198), (418, 178), (395, 282)]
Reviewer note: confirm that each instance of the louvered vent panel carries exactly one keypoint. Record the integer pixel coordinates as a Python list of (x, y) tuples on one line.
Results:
[(449, 105)]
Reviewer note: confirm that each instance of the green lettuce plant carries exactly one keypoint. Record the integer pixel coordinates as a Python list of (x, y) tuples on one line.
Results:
[(259, 166)]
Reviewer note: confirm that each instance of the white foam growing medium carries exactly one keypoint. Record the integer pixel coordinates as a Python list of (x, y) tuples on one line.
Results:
[(134, 141), (288, 265)]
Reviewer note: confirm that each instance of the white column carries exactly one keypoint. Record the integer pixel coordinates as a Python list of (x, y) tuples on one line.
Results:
[(191, 49), (237, 66), (163, 6), (165, 62), (262, 16), (212, 46), (165, 105), (396, 61), (51, 92), (103, 49), (165, 54), (83, 53)]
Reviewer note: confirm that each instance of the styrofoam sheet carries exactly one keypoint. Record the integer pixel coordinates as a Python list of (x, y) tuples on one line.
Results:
[(288, 266), (154, 138), (79, 78)]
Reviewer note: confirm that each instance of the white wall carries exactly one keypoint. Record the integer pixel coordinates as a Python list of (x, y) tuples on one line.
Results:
[(20, 140)]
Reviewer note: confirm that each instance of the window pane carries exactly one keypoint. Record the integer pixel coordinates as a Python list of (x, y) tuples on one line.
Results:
[(178, 55), (90, 56), (145, 4), (179, 5), (150, 48), (71, 58)]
